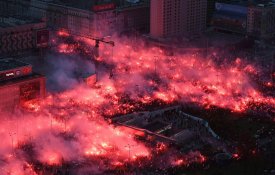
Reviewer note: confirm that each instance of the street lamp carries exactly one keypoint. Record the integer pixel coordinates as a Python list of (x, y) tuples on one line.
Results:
[(129, 150), (155, 62), (12, 144)]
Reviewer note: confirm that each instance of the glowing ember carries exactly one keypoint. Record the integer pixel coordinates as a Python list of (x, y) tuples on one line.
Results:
[(192, 157), (150, 75), (63, 33), (179, 162), (161, 147), (236, 156), (52, 159)]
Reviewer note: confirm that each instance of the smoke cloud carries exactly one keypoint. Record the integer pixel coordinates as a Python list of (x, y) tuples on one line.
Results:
[(69, 126)]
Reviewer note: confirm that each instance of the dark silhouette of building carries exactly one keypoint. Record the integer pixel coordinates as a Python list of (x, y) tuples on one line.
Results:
[(19, 85)]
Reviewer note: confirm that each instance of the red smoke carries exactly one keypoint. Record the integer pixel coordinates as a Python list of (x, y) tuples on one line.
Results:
[(148, 75), (70, 126)]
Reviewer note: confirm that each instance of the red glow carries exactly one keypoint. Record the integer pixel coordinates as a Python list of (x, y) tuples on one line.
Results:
[(192, 157), (63, 33), (52, 159), (98, 8), (269, 84), (179, 162), (70, 125), (179, 78), (254, 151), (161, 147), (66, 48), (33, 105), (236, 156)]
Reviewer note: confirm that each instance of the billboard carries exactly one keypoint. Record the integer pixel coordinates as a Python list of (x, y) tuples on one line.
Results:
[(230, 17), (103, 7), (19, 72), (233, 8), (42, 38)]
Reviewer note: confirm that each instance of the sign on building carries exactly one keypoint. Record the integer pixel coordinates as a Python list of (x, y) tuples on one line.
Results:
[(42, 38), (103, 7)]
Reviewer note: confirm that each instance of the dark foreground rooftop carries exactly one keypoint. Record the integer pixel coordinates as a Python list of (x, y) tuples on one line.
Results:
[(9, 64)]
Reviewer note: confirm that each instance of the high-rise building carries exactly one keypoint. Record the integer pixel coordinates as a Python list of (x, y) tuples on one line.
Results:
[(18, 36), (261, 20), (230, 17), (210, 10), (135, 17), (170, 18)]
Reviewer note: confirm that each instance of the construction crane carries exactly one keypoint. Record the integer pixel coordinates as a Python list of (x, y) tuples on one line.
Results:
[(97, 43), (97, 40)]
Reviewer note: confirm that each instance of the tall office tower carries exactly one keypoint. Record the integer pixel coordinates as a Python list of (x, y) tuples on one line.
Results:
[(210, 10), (261, 20), (171, 18)]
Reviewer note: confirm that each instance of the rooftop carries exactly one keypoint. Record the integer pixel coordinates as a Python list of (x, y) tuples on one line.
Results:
[(6, 22), (80, 4), (88, 4), (9, 64), (255, 3), (155, 126), (21, 79)]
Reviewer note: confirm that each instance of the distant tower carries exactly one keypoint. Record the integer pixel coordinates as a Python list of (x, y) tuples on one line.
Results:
[(261, 20), (210, 10), (171, 18)]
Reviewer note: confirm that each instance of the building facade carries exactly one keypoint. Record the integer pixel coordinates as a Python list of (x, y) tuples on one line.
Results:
[(79, 21), (230, 17), (105, 19), (261, 21), (96, 18), (61, 16), (56, 15), (18, 36), (170, 18), (134, 18)]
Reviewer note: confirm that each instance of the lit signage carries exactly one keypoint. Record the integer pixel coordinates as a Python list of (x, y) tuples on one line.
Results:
[(102, 7), (42, 38), (27, 70), (17, 73), (10, 74)]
